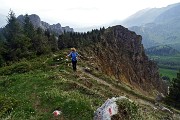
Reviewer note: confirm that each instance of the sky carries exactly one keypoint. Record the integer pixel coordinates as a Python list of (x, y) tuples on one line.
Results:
[(80, 13)]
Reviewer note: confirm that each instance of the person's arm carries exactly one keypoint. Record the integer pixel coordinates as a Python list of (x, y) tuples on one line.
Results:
[(79, 55), (69, 54)]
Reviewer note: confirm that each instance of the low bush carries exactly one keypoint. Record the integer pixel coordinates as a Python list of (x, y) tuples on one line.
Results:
[(21, 67), (7, 104), (127, 110)]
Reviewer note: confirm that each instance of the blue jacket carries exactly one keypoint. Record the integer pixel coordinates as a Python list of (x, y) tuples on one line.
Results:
[(73, 56)]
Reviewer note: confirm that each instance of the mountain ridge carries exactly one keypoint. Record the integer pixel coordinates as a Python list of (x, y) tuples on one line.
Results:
[(164, 30), (36, 21), (161, 50), (145, 16), (123, 47)]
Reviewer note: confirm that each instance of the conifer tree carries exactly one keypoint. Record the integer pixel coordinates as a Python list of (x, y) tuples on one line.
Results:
[(40, 43), (53, 43), (12, 29), (2, 50), (17, 43), (29, 29), (174, 91)]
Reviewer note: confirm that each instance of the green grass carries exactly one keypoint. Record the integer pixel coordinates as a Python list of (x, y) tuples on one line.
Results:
[(169, 65), (34, 89), (168, 72), (167, 62), (39, 93)]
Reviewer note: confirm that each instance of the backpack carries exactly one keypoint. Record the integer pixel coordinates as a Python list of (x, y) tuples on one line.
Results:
[(74, 56)]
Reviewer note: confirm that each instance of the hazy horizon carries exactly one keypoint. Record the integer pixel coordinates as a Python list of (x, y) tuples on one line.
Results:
[(80, 14)]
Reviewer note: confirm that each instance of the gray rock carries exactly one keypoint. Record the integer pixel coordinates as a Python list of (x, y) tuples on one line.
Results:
[(45, 25), (36, 21), (67, 29), (56, 28), (160, 97)]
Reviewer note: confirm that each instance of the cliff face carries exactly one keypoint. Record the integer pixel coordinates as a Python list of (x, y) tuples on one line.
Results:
[(121, 54)]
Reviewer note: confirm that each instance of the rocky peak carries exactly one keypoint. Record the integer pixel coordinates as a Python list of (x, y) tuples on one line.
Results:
[(36, 21), (120, 54), (56, 28), (67, 29)]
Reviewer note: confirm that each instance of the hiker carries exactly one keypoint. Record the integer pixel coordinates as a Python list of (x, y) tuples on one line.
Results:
[(73, 54)]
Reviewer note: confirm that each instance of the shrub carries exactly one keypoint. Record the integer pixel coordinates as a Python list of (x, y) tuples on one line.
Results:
[(126, 111), (6, 70), (16, 68), (1, 61), (21, 67), (7, 104)]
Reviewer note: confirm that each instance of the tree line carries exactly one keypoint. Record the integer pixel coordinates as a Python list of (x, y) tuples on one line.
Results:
[(23, 40), (173, 98)]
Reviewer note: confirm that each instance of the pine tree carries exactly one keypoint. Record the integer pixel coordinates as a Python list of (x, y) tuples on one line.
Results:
[(17, 43), (53, 43), (2, 50), (40, 43), (29, 29), (174, 91), (12, 28)]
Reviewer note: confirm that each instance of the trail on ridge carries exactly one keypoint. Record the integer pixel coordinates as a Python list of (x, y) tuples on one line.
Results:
[(115, 89)]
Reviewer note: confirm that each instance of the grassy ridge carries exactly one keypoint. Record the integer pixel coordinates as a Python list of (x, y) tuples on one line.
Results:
[(34, 92), (34, 89)]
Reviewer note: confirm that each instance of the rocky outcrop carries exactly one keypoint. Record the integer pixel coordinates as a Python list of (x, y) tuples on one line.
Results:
[(36, 21), (121, 54), (56, 28), (67, 29)]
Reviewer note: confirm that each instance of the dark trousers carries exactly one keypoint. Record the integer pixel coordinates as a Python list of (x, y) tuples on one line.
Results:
[(74, 65)]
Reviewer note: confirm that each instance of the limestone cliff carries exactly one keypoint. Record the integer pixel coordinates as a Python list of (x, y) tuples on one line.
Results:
[(120, 53), (36, 21)]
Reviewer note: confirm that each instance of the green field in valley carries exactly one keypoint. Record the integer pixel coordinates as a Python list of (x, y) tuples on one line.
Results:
[(168, 72), (168, 65)]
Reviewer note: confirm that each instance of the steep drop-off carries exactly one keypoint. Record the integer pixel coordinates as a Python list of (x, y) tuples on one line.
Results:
[(120, 54)]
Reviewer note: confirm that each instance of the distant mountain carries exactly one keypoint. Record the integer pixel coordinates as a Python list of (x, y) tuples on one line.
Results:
[(36, 21), (169, 15), (145, 16), (158, 26), (159, 34), (161, 50)]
